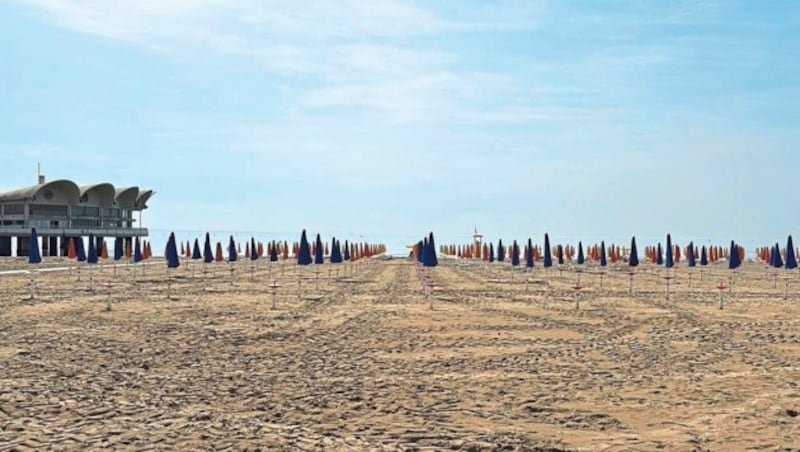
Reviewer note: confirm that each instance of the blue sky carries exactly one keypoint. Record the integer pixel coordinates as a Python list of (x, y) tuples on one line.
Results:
[(387, 119)]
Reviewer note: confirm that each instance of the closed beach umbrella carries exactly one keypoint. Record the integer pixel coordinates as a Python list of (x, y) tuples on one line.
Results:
[(80, 249), (491, 252), (529, 255), (137, 250), (560, 254), (514, 254), (318, 251), (118, 251), (603, 259), (733, 257), (91, 257), (690, 258), (233, 254), (346, 250), (633, 259), (218, 256), (791, 260), (253, 249), (670, 257), (703, 256), (581, 258), (548, 257), (304, 251), (173, 261), (208, 254), (501, 251), (34, 255), (429, 258), (196, 254)]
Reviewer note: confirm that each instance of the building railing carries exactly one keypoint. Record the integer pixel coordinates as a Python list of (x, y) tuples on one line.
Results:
[(21, 231)]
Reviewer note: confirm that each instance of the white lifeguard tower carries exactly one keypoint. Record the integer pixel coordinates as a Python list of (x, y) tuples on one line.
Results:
[(477, 240)]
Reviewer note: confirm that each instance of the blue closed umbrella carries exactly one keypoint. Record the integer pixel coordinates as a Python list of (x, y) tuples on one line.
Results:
[(690, 259), (233, 255), (137, 250), (670, 258), (304, 253), (603, 260), (346, 250), (548, 257), (34, 255), (318, 256), (273, 252), (429, 258), (581, 258), (560, 253), (196, 254), (659, 255), (491, 252), (791, 260), (514, 254), (91, 257), (118, 251), (529, 255), (173, 261), (208, 253), (501, 251), (633, 259), (336, 252), (703, 256), (734, 261), (253, 250), (79, 249)]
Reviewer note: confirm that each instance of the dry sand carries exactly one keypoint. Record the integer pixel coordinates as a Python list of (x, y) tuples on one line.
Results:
[(359, 361)]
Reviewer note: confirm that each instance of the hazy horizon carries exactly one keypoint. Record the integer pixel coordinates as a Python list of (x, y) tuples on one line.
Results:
[(391, 119)]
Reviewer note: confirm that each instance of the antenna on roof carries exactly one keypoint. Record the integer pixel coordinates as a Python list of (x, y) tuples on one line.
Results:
[(39, 174)]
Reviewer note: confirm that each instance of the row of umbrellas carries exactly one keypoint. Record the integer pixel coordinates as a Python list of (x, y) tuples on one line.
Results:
[(141, 250), (668, 256)]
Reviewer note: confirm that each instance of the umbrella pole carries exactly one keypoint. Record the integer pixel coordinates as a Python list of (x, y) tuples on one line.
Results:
[(108, 299), (299, 284), (91, 277), (785, 290), (630, 283), (32, 285)]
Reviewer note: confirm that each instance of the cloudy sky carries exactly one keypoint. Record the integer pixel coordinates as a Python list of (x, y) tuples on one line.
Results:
[(388, 119)]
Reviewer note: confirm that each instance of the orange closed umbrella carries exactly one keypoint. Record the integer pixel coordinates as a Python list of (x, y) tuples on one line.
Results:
[(71, 253), (104, 251), (218, 255)]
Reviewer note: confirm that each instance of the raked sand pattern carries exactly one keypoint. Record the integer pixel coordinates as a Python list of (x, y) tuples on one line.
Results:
[(358, 361)]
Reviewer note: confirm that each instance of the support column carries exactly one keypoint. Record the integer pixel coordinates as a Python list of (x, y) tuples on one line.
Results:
[(5, 246), (22, 246), (45, 248), (52, 246), (14, 246)]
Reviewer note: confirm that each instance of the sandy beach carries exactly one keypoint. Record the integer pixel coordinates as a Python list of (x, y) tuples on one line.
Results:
[(353, 358)]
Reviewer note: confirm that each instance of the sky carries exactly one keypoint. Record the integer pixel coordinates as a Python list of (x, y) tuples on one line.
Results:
[(385, 119)]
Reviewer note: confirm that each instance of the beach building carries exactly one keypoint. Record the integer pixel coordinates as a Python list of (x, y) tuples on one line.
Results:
[(62, 209)]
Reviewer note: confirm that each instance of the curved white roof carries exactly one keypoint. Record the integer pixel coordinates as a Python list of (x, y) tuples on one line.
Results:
[(62, 191), (126, 197), (102, 195), (144, 196)]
